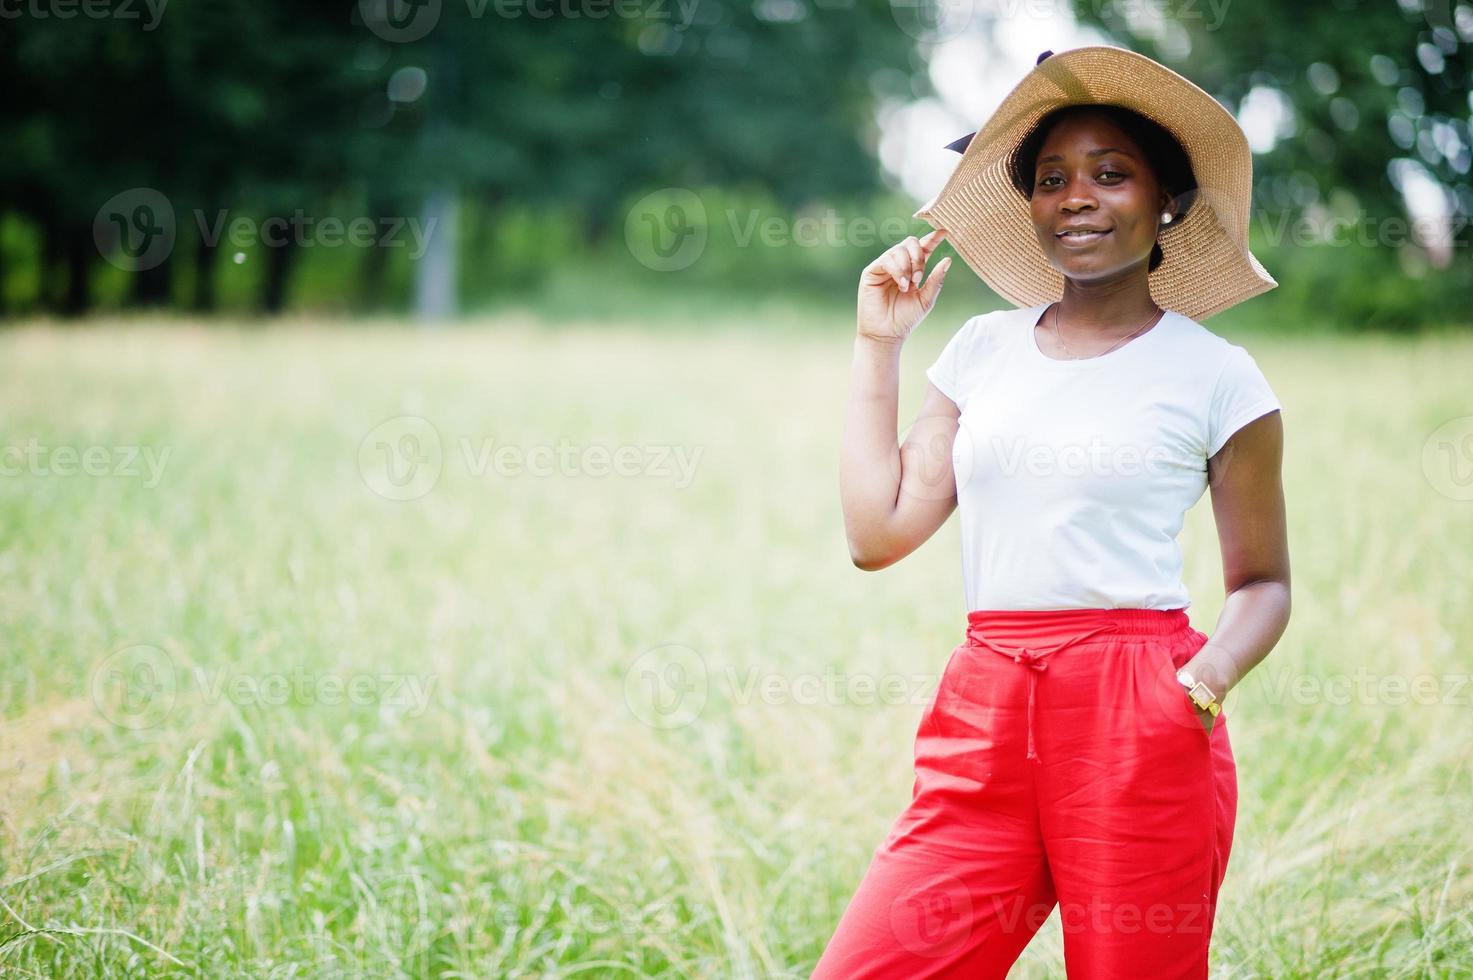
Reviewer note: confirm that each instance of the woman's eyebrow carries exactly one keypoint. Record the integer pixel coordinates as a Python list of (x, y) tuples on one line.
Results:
[(1092, 153)]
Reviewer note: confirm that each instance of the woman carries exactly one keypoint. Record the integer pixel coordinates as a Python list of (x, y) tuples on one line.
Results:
[(1074, 752)]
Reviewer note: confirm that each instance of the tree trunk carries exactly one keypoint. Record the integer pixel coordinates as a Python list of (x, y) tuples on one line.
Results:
[(595, 226), (371, 276), (436, 273), (204, 276), (153, 287), (279, 262), (52, 288), (79, 252)]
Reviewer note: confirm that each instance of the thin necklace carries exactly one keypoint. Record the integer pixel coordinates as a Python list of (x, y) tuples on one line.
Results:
[(1142, 329)]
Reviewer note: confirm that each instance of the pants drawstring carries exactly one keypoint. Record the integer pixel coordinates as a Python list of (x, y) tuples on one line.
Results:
[(1033, 660)]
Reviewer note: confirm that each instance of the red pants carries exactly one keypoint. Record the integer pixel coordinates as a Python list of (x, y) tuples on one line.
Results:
[(1059, 762)]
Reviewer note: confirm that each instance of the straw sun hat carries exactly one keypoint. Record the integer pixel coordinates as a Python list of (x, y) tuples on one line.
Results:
[(1206, 264)]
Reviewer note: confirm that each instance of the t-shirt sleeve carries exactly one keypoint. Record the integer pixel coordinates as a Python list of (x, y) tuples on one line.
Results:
[(946, 371), (1242, 394)]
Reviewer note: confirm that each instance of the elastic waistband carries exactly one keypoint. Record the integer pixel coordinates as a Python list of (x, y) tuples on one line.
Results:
[(1037, 627)]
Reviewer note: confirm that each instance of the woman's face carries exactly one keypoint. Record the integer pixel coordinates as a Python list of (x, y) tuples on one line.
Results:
[(1090, 174)]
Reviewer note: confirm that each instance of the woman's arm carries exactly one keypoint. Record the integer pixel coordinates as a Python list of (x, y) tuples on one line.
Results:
[(894, 497), (1248, 505)]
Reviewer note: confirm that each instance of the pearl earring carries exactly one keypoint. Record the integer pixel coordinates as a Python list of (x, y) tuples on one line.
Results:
[(1166, 217)]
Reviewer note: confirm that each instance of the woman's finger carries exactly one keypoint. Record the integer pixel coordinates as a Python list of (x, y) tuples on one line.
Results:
[(930, 241), (879, 272), (928, 245), (915, 258), (898, 264), (933, 285), (886, 268), (875, 274)]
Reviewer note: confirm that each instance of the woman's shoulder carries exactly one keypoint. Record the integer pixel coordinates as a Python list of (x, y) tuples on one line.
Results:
[(1209, 362), (995, 325), (980, 330), (1193, 331), (1201, 341)]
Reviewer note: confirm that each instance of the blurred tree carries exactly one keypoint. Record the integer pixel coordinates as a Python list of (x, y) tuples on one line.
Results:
[(581, 110), (266, 110), (1378, 100), (411, 110)]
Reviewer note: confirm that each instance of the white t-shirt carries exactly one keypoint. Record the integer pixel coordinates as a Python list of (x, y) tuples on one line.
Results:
[(1074, 476)]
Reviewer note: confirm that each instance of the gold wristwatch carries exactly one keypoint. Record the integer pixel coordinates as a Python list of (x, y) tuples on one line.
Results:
[(1200, 693)]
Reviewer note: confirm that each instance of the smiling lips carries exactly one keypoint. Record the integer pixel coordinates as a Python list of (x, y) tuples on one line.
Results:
[(1081, 236)]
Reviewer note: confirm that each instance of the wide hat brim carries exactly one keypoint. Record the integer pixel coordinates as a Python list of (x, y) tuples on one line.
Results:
[(1207, 266)]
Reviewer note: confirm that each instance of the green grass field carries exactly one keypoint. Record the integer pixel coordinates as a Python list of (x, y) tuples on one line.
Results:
[(328, 651)]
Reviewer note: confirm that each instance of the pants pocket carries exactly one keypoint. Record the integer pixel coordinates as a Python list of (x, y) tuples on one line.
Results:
[(1180, 709)]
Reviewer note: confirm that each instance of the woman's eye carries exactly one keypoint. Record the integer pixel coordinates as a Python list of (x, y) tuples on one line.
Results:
[(1044, 181)]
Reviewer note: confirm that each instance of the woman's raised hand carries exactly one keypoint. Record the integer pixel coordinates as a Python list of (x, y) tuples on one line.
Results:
[(892, 298)]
